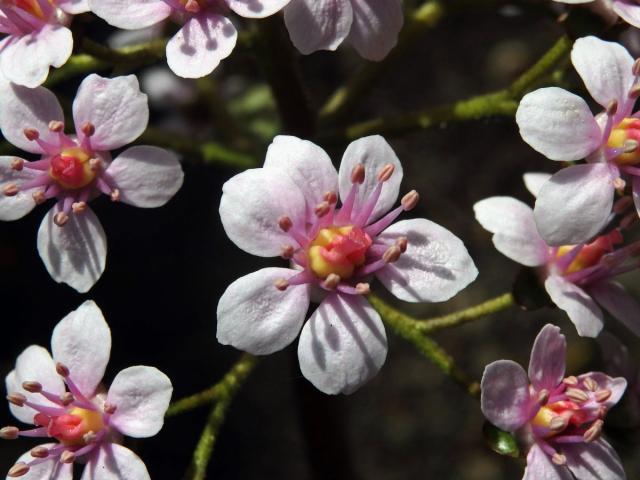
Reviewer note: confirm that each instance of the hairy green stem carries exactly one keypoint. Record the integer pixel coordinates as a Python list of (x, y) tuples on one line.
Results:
[(141, 54), (226, 391), (76, 65)]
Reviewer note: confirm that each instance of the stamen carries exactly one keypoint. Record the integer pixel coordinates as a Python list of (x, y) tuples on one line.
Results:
[(287, 252), (95, 164), (39, 452), (635, 69), (18, 470), (330, 197), (357, 174), (322, 209), (385, 173), (543, 396), (634, 92), (78, 207), (363, 289), (630, 146), (192, 6), (590, 384), (559, 459), (392, 254), (31, 134), (67, 457), (17, 399), (612, 108), (410, 200), (88, 129), (558, 423), (402, 243), (603, 395), (281, 284), (9, 433), (115, 195), (109, 408), (332, 281), (56, 126), (11, 190), (619, 184), (593, 432), (67, 399), (285, 223), (60, 219), (577, 395), (32, 387), (17, 164)]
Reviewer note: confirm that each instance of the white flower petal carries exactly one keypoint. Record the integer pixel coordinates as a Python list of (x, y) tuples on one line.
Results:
[(505, 399), (594, 461), (628, 10), (75, 253), (81, 341), (435, 266), (375, 28), (534, 181), (51, 469), (343, 345), (131, 15), (115, 462), (17, 206), (318, 24), (540, 467), (257, 8), (254, 316)]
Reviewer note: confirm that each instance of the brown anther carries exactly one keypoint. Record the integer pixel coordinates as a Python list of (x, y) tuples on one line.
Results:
[(634, 91), (32, 387), (115, 195), (410, 200), (622, 204), (285, 223), (558, 423), (62, 370), (590, 384), (619, 184), (392, 254), (281, 284), (109, 408), (402, 243), (636, 67), (67, 398), (31, 134), (330, 197), (562, 17), (39, 452), (543, 396), (559, 459), (18, 470), (363, 289), (11, 190), (60, 219), (357, 174), (628, 220), (577, 395), (630, 146), (39, 197), (603, 395), (67, 457), (89, 437), (192, 6), (571, 381), (386, 172), (17, 164), (612, 107), (322, 209), (78, 207), (593, 432), (287, 251), (9, 433), (332, 281), (95, 164), (56, 126), (88, 129), (17, 399)]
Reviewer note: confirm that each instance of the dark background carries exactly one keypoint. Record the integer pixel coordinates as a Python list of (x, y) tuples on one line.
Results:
[(167, 267)]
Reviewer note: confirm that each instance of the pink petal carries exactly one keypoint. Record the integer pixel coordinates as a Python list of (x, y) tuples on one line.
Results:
[(131, 15), (628, 10), (435, 267), (251, 204), (82, 342), (505, 399), (514, 229), (114, 106), (617, 301), (13, 208), (307, 165), (375, 28), (617, 386), (254, 316), (49, 470), (574, 205), (141, 396), (256, 8), (76, 253), (558, 124), (318, 24), (582, 310), (200, 45), (594, 461), (605, 69), (26, 61), (74, 7), (115, 462), (374, 153), (343, 345), (22, 107), (534, 181), (540, 467), (548, 356), (146, 176), (34, 364)]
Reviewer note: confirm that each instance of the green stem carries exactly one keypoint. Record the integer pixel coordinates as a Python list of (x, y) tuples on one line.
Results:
[(227, 389), (483, 309), (141, 54), (76, 65), (407, 328)]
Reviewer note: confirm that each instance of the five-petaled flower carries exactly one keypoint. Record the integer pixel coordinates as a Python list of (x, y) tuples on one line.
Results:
[(108, 114), (575, 204), (579, 277), (207, 36), (559, 419), (289, 208), (37, 37), (62, 395), (371, 26)]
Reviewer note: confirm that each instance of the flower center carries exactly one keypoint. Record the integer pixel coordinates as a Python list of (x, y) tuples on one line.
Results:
[(193, 6), (557, 416), (338, 250), (626, 137), (72, 428), (590, 254), (72, 169)]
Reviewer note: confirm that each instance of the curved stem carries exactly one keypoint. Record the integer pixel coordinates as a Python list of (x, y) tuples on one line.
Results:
[(141, 54)]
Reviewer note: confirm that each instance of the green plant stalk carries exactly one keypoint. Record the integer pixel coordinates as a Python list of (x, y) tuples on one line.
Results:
[(141, 54), (227, 389)]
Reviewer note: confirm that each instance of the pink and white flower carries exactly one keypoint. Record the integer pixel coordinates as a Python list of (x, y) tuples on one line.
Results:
[(37, 37), (62, 395), (559, 419), (206, 37), (628, 10), (288, 208), (578, 278), (575, 204), (371, 26), (73, 169)]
